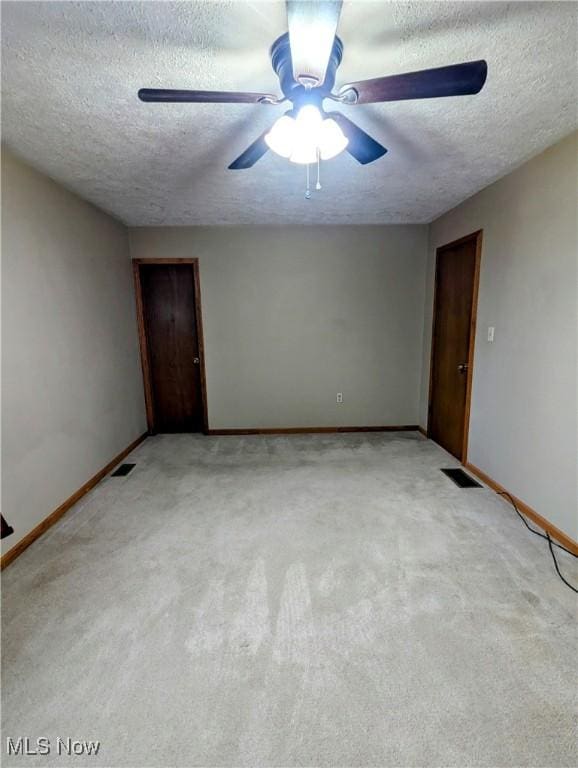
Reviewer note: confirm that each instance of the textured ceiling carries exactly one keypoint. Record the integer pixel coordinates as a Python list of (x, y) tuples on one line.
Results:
[(71, 71)]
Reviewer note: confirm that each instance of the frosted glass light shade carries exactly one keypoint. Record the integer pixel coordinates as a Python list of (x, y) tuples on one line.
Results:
[(304, 154), (281, 137), (309, 120), (301, 139), (307, 127), (331, 139)]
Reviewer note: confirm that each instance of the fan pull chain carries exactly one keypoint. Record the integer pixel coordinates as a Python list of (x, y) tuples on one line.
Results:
[(318, 185), (308, 191)]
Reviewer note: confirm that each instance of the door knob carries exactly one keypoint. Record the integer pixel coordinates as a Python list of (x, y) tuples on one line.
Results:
[(196, 360), (462, 367)]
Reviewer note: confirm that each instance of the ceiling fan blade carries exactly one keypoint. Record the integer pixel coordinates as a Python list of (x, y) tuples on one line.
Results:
[(254, 152), (455, 80), (204, 97), (361, 146), (312, 26)]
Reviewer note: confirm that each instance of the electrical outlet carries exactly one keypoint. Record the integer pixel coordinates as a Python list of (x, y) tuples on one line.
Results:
[(490, 333), (340, 397)]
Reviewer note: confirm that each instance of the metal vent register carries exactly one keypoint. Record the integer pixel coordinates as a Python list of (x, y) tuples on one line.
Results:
[(461, 479)]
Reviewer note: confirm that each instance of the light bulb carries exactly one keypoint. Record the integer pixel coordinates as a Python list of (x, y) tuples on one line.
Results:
[(281, 137), (331, 139)]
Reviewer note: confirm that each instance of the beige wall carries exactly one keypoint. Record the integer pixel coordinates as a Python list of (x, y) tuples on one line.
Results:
[(291, 318), (294, 316), (71, 382), (524, 417)]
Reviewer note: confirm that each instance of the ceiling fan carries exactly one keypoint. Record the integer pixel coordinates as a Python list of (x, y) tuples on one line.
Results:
[(306, 60)]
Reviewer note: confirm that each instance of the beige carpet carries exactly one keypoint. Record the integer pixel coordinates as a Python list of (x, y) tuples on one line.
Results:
[(291, 601)]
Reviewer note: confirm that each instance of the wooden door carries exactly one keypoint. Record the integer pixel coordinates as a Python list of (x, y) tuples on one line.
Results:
[(457, 272), (171, 346)]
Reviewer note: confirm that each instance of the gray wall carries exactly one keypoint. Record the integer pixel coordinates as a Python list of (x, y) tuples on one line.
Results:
[(524, 417), (291, 317), (71, 382)]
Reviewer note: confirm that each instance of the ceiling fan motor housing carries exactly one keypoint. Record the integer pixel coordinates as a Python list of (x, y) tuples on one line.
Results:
[(295, 91)]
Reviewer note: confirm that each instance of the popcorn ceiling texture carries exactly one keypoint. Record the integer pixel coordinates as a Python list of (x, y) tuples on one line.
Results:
[(71, 71)]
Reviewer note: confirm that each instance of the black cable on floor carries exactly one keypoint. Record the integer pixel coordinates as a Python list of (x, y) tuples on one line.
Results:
[(556, 564), (551, 544)]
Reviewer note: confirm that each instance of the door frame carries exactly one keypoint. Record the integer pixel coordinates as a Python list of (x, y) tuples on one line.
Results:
[(144, 356), (476, 237)]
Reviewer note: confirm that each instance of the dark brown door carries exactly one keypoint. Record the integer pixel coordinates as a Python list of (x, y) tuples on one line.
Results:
[(457, 269), (169, 315)]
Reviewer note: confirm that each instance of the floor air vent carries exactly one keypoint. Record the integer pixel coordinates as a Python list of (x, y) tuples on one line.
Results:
[(461, 479), (123, 470)]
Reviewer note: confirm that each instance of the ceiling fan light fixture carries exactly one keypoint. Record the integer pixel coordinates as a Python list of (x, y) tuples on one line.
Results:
[(304, 138), (331, 140), (308, 120), (281, 137), (304, 153), (307, 129), (306, 59)]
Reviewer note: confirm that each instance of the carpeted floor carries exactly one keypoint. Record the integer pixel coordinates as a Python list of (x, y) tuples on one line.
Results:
[(323, 600)]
